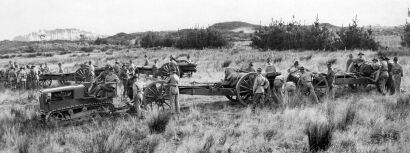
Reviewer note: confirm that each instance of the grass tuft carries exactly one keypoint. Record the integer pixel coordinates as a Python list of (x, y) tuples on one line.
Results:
[(158, 121), (319, 135)]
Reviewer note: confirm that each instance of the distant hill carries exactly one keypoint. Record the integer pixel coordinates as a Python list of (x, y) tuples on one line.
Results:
[(235, 26), (58, 34)]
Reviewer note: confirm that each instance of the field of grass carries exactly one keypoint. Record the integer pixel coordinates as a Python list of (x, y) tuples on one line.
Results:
[(357, 121)]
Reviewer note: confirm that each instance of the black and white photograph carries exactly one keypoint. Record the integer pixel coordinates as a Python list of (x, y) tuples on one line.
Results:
[(204, 76)]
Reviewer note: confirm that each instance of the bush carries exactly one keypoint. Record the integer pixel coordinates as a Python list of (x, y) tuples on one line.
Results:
[(200, 39), (354, 37), (100, 41), (319, 135), (158, 122), (405, 38), (151, 40), (293, 35), (87, 49), (348, 117)]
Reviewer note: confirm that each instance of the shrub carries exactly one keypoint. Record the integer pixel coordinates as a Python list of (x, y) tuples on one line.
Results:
[(158, 122), (319, 135), (348, 117), (100, 41), (200, 39), (405, 38), (293, 35), (87, 49), (354, 37)]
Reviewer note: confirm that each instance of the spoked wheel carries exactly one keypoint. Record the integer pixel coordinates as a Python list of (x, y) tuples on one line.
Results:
[(45, 83), (157, 94), (83, 75), (55, 117), (165, 70), (321, 86), (244, 88)]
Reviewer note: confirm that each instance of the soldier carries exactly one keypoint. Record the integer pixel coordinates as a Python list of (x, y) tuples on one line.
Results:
[(109, 80), (306, 79), (188, 59), (138, 91), (155, 68), (11, 64), (174, 64), (46, 69), (12, 77), (250, 68), (16, 66), (349, 61), (33, 78), (131, 68), (294, 68), (269, 66), (383, 75), (330, 79), (117, 67), (124, 76), (22, 77), (397, 72), (360, 58), (259, 86), (146, 60), (391, 87), (173, 82), (60, 68)]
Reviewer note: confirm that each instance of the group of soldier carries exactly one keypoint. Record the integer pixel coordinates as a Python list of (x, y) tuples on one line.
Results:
[(125, 74), (24, 76), (387, 74)]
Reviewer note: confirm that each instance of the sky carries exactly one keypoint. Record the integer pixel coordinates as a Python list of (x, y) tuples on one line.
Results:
[(113, 16)]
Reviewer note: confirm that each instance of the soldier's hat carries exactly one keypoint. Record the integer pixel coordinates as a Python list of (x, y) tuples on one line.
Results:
[(328, 63), (251, 64), (374, 60), (296, 63), (301, 68), (381, 57), (395, 58), (259, 70), (360, 53)]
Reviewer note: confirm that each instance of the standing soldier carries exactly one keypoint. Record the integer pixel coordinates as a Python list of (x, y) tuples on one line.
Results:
[(146, 60), (131, 68), (41, 69), (294, 68), (117, 68), (12, 77), (155, 69), (397, 72), (349, 61), (16, 66), (383, 75), (188, 59), (138, 91), (330, 79), (306, 79), (92, 70), (250, 68), (174, 64), (33, 77), (60, 68), (124, 76), (22, 78), (390, 84), (259, 86), (173, 82), (269, 66)]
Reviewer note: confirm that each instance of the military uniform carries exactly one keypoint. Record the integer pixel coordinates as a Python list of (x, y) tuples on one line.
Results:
[(12, 77), (124, 76), (397, 72), (348, 63), (259, 86), (173, 82), (330, 79), (383, 76), (146, 62), (22, 78), (306, 79), (33, 78), (138, 91)]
